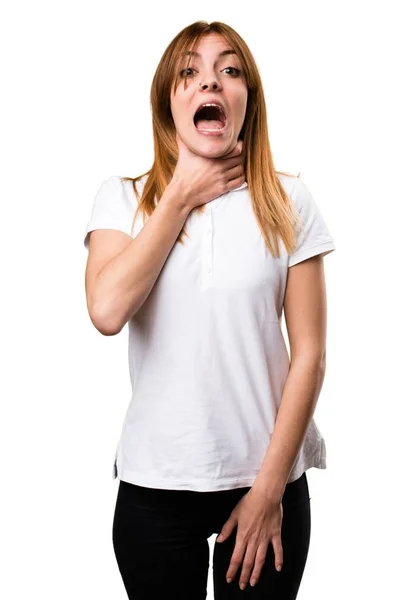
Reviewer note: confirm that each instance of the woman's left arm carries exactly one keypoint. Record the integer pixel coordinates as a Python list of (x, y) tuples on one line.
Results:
[(258, 515), (305, 310)]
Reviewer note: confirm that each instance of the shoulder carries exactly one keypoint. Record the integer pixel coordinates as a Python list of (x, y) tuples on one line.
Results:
[(115, 195), (123, 188), (288, 182), (299, 194), (129, 186)]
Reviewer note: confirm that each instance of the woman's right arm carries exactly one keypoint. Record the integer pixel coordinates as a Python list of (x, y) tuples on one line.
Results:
[(121, 271)]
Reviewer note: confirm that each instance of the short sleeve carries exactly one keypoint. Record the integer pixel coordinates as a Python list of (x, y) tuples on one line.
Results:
[(113, 208), (314, 238)]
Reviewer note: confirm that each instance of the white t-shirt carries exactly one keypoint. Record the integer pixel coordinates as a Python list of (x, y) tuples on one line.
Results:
[(207, 356)]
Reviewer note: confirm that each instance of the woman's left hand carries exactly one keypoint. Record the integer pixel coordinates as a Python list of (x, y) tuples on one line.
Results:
[(259, 523)]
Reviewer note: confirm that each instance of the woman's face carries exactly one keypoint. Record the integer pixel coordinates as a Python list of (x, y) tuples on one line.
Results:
[(211, 78)]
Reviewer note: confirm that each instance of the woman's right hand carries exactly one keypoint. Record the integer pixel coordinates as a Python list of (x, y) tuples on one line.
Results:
[(204, 179)]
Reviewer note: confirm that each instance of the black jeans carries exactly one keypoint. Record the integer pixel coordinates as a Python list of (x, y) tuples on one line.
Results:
[(160, 539)]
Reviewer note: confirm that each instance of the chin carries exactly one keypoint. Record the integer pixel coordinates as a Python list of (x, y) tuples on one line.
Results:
[(209, 147)]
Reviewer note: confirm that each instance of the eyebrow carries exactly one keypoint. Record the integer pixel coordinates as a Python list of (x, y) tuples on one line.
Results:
[(223, 53)]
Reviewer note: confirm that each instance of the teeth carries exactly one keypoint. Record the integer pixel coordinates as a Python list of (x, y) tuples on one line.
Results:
[(212, 104)]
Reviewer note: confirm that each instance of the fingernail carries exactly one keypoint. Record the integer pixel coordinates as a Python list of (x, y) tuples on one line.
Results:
[(242, 586), (253, 581), (229, 579), (279, 568), (219, 538)]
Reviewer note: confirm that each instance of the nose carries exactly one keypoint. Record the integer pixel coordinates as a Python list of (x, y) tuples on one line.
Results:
[(212, 84)]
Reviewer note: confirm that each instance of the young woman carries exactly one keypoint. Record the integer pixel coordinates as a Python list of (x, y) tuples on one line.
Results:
[(219, 431)]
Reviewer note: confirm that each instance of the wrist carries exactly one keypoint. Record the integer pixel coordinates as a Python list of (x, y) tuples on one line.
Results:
[(270, 488), (177, 194)]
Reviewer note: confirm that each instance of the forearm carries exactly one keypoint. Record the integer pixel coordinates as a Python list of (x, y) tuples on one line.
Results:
[(125, 282), (299, 399)]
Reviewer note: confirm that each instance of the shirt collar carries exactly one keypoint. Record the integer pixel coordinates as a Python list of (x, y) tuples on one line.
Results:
[(243, 185)]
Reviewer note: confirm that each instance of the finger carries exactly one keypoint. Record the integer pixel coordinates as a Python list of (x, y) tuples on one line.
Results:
[(248, 564), (238, 148), (278, 551), (236, 151), (228, 527), (236, 559), (259, 562)]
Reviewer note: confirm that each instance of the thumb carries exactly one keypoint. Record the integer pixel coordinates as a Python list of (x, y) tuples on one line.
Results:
[(227, 528)]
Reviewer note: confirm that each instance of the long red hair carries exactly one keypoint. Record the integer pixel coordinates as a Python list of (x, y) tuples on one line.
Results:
[(275, 213)]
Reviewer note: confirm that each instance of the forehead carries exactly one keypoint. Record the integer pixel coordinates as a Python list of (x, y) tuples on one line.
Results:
[(211, 44)]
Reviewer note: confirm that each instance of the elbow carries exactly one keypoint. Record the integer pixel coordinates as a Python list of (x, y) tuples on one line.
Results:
[(104, 322), (107, 331), (314, 358)]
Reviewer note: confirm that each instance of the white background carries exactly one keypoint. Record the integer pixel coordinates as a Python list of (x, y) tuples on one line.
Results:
[(75, 110)]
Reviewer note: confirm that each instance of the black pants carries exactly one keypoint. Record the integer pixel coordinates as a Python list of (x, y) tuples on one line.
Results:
[(160, 538)]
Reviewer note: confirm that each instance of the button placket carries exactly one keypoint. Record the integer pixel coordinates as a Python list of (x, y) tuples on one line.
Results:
[(207, 247)]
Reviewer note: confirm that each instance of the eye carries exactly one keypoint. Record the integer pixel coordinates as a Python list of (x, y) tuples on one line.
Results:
[(238, 71), (182, 73)]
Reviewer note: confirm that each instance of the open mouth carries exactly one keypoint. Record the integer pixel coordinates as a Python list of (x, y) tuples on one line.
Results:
[(210, 117)]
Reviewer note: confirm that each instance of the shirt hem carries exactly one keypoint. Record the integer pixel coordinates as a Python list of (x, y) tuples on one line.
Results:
[(133, 477), (323, 248)]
